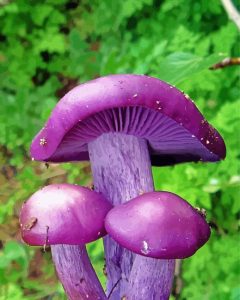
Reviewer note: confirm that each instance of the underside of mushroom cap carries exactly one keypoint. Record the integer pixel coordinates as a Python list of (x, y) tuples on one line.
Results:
[(63, 214), (159, 225), (129, 104)]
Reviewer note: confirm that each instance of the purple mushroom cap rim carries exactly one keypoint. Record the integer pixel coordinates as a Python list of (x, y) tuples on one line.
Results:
[(130, 104)]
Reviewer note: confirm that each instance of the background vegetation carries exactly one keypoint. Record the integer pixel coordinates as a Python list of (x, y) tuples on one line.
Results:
[(48, 47)]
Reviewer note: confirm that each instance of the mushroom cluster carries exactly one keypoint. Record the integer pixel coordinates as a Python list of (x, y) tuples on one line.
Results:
[(123, 124)]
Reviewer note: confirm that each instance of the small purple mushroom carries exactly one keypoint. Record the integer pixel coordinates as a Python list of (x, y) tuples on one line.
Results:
[(170, 227), (67, 217), (123, 123)]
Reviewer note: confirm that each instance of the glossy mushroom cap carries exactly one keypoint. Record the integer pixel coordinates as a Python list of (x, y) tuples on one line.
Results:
[(159, 225), (136, 105), (63, 214)]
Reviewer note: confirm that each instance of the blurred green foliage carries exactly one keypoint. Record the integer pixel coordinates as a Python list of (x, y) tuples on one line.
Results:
[(46, 48)]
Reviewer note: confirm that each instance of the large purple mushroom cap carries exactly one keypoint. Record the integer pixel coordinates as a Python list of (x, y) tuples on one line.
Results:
[(63, 214), (136, 105), (159, 225)]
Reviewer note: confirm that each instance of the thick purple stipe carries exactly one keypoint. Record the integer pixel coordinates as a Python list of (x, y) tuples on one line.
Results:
[(121, 170), (76, 273), (150, 279)]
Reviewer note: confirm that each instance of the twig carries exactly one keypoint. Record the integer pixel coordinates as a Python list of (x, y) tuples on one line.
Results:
[(46, 240), (232, 12), (227, 62), (4, 2), (113, 288), (177, 279)]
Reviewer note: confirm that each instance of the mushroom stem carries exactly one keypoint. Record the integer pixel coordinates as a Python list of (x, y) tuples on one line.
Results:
[(146, 277), (76, 273), (121, 171)]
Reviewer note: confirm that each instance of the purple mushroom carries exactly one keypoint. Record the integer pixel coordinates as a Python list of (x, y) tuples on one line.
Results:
[(170, 229), (67, 217), (123, 123)]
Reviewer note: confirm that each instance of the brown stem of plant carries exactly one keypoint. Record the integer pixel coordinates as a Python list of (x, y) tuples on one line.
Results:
[(232, 12), (227, 62), (178, 282)]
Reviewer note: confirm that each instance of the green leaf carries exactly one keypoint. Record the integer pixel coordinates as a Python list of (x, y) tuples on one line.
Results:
[(179, 66), (40, 12)]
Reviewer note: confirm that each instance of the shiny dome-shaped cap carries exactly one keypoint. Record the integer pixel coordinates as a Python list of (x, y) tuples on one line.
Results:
[(136, 105), (63, 214), (159, 225)]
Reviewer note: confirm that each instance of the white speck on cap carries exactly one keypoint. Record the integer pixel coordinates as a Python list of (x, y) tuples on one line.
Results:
[(43, 142), (145, 248)]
